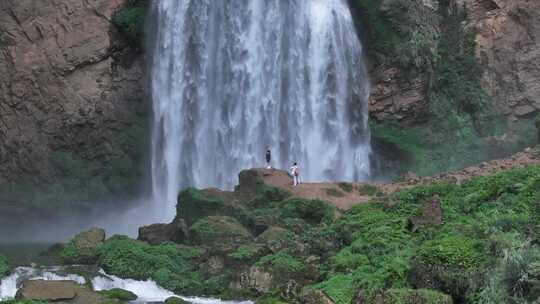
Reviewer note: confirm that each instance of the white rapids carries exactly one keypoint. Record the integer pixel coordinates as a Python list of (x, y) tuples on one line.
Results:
[(230, 78), (147, 291)]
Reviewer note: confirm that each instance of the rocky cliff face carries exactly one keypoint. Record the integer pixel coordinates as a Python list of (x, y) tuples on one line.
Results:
[(507, 48), (67, 82)]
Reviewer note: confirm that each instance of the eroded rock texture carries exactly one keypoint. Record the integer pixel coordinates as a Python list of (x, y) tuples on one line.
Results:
[(508, 48), (67, 81)]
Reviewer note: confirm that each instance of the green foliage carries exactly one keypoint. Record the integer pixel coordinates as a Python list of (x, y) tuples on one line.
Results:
[(131, 20), (282, 262), (516, 278), (4, 266), (165, 264), (452, 251), (312, 211), (399, 32), (118, 294), (339, 288), (334, 192), (246, 252)]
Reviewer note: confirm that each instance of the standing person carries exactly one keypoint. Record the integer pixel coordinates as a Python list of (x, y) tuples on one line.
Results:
[(295, 173), (268, 158)]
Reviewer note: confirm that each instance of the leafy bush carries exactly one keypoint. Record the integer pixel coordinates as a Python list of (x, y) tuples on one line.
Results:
[(452, 251), (282, 262), (339, 288), (131, 20)]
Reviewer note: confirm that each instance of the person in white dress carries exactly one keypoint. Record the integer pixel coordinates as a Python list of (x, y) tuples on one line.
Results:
[(295, 172)]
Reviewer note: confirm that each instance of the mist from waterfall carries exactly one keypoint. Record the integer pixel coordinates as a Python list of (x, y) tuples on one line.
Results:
[(231, 77)]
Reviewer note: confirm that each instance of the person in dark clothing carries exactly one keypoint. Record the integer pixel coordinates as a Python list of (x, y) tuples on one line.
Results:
[(268, 158), (538, 128)]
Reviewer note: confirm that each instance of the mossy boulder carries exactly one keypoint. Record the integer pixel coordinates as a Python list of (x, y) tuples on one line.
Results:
[(82, 249), (277, 239), (4, 267), (119, 294), (221, 234), (169, 265), (447, 264), (175, 300), (194, 205)]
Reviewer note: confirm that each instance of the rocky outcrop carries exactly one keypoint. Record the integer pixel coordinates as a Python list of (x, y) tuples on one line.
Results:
[(395, 97), (67, 81), (508, 48)]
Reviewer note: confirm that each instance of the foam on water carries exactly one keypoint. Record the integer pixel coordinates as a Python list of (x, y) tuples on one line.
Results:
[(147, 291)]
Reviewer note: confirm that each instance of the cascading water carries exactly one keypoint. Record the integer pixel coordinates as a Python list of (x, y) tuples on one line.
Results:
[(231, 77)]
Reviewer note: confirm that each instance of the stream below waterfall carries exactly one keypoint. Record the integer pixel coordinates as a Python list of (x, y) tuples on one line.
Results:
[(147, 291)]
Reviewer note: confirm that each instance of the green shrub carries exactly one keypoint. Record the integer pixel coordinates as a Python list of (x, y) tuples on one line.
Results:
[(131, 20), (282, 262), (452, 251), (339, 288)]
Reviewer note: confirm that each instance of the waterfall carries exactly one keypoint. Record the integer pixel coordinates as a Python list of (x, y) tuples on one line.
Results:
[(232, 77)]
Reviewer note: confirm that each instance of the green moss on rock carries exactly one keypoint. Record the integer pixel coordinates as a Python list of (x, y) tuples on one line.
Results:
[(220, 233), (165, 263), (119, 294), (175, 300), (83, 249)]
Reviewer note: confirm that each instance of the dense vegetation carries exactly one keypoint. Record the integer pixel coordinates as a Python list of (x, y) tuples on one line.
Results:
[(131, 21), (484, 250)]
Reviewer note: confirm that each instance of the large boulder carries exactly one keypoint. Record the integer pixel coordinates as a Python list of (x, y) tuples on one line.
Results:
[(195, 204), (48, 290), (222, 234), (156, 234), (83, 248)]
